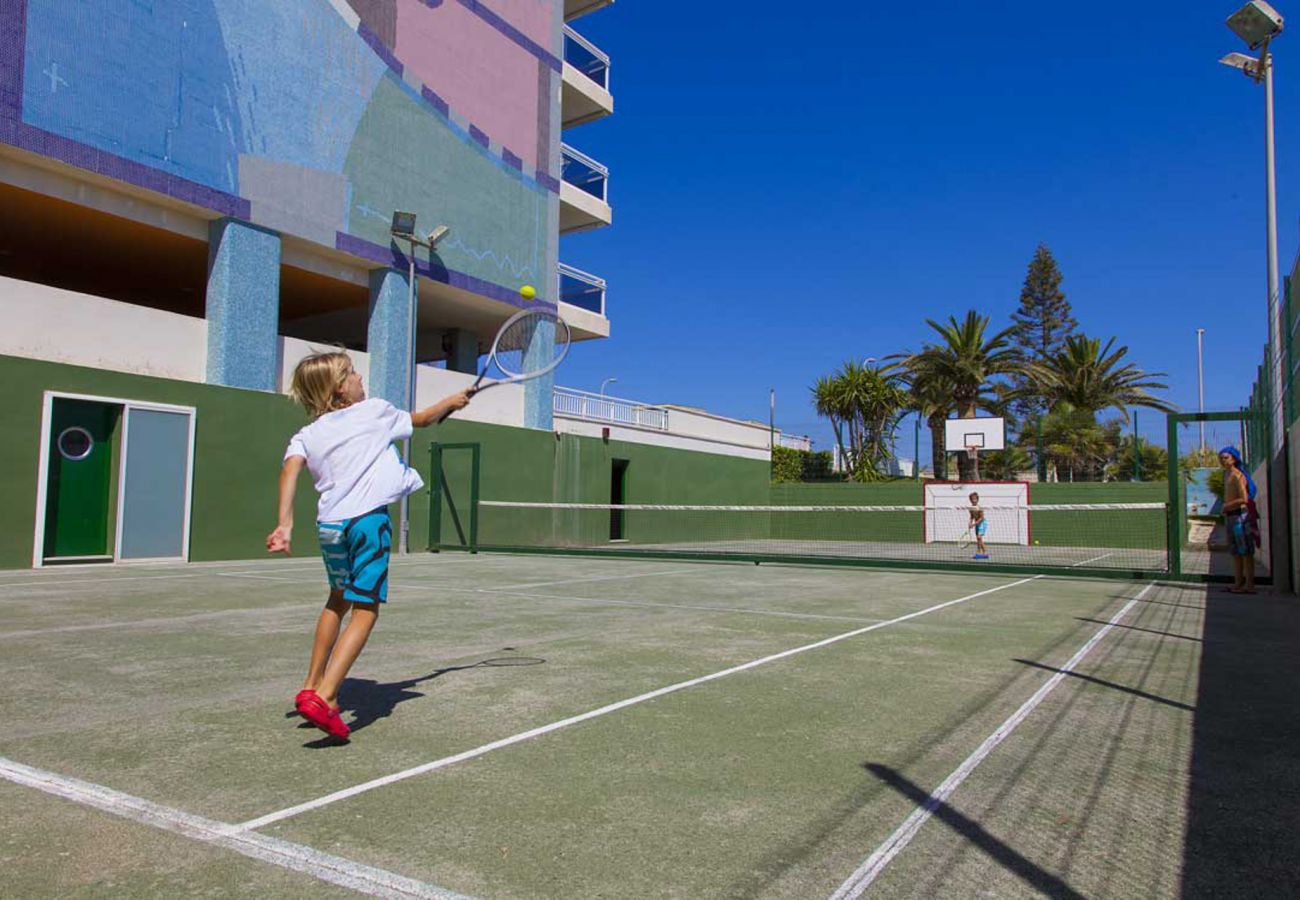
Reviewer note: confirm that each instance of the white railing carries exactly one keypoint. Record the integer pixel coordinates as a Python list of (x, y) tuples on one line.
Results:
[(794, 441), (583, 172), (600, 408), (586, 57), (582, 289)]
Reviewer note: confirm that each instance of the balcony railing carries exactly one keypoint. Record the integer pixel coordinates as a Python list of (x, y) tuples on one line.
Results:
[(599, 408), (584, 173), (582, 289), (586, 57)]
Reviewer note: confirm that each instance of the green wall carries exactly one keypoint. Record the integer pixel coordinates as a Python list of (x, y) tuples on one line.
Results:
[(240, 439), (537, 466)]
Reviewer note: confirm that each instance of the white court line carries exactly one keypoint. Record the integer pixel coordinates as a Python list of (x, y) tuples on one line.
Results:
[(322, 866), (1094, 559), (537, 584), (605, 601), (160, 620), (861, 879), (604, 710)]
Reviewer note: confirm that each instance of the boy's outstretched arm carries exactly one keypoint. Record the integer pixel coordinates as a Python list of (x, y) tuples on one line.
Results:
[(431, 414), (278, 540)]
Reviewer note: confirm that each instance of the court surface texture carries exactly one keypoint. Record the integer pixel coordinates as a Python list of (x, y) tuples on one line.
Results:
[(544, 726)]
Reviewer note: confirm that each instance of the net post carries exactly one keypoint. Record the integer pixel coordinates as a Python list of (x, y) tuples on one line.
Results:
[(435, 496), (473, 497), (1173, 514)]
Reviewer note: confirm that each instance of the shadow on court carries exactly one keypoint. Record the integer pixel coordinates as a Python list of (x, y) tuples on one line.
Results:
[(997, 850), (1244, 799), (369, 700)]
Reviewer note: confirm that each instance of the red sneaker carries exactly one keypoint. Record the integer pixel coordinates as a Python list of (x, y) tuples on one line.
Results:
[(298, 698), (319, 713)]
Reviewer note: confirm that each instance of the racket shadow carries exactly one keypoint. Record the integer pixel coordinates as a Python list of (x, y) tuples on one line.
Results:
[(369, 700)]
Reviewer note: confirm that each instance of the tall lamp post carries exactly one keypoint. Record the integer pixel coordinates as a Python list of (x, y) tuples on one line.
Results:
[(1257, 24), (403, 229), (602, 386), (1200, 381)]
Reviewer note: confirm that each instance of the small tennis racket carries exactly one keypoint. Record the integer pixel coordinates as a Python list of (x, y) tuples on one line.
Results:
[(524, 349), (967, 537)]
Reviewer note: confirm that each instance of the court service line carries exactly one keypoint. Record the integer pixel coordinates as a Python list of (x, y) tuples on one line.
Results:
[(100, 582), (865, 874), (1094, 559), (159, 620), (296, 857), (537, 584), (371, 785), (606, 601)]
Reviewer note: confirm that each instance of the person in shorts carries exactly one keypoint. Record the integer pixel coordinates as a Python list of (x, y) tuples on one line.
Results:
[(348, 448), (979, 525), (1239, 519)]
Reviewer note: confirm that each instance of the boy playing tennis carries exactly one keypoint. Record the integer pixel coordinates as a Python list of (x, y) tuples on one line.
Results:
[(348, 448), (979, 525)]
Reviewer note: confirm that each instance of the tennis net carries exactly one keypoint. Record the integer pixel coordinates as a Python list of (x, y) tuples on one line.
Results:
[(1119, 536)]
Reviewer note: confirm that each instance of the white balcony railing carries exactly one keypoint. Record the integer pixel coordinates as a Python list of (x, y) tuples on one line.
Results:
[(600, 408), (586, 57), (584, 173), (582, 289)]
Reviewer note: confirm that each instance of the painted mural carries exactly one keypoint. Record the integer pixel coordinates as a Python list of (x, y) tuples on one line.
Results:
[(316, 118)]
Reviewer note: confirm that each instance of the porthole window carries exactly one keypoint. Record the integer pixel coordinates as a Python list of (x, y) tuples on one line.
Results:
[(75, 443)]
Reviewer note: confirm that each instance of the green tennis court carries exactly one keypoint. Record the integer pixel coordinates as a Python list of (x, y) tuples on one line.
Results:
[(548, 726)]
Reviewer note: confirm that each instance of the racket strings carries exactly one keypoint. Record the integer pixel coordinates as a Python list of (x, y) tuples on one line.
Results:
[(531, 344)]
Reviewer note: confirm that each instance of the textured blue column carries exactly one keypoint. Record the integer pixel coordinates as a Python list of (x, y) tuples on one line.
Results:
[(388, 335), (243, 305), (538, 392)]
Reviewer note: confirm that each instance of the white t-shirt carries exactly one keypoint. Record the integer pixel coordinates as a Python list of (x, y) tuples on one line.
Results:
[(352, 459)]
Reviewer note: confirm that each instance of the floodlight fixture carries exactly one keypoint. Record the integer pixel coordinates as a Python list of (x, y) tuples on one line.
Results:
[(437, 234), (1256, 23), (403, 224), (1247, 64)]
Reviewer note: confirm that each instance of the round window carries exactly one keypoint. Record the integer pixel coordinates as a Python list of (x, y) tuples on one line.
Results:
[(75, 443)]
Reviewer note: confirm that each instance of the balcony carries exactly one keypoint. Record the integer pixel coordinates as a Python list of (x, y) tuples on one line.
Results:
[(573, 9), (586, 95), (582, 289), (584, 203), (590, 407)]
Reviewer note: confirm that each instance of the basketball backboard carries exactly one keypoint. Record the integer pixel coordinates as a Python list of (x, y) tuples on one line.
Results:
[(984, 432)]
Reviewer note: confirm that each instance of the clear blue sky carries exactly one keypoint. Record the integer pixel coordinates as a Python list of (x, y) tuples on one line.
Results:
[(797, 186)]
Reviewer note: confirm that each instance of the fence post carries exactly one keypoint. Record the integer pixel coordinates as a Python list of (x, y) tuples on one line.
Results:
[(1175, 512)]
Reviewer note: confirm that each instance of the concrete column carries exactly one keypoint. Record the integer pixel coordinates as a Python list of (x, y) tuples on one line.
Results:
[(243, 305), (462, 353), (538, 392), (388, 335)]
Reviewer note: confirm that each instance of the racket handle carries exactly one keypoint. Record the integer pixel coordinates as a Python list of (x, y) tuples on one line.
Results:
[(471, 391)]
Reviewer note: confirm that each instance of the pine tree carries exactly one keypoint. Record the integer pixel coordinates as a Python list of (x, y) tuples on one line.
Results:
[(1042, 323)]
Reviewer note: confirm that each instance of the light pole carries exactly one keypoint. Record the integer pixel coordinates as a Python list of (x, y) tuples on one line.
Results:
[(1257, 24), (602, 386), (1200, 382), (403, 228)]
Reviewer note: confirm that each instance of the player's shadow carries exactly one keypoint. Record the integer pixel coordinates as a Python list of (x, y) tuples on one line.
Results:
[(369, 701)]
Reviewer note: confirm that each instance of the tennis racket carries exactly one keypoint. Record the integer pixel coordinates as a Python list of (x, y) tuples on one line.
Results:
[(967, 537), (522, 349)]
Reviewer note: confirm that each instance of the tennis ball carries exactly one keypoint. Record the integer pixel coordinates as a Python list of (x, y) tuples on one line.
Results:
[(528, 292), (1035, 543)]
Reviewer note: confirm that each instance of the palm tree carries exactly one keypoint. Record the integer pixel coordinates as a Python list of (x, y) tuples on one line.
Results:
[(1075, 442), (863, 405), (1091, 377), (963, 368)]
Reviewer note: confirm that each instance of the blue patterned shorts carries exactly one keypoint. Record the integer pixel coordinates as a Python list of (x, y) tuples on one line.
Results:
[(356, 555)]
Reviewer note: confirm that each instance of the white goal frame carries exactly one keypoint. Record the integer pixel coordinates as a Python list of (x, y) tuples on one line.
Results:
[(946, 516)]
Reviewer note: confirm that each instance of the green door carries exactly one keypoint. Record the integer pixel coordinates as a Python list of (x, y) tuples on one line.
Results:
[(79, 480)]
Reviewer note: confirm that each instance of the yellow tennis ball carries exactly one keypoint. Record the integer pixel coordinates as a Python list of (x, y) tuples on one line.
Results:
[(528, 292), (1035, 543)]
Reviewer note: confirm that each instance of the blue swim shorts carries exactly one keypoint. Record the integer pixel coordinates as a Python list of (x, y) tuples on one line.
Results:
[(356, 555), (1240, 540), (982, 528)]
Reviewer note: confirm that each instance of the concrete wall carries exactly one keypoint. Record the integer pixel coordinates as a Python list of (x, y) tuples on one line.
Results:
[(313, 119)]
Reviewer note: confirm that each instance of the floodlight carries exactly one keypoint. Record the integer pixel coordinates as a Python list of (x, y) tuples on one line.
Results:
[(403, 224), (1247, 64), (438, 234), (1255, 23)]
